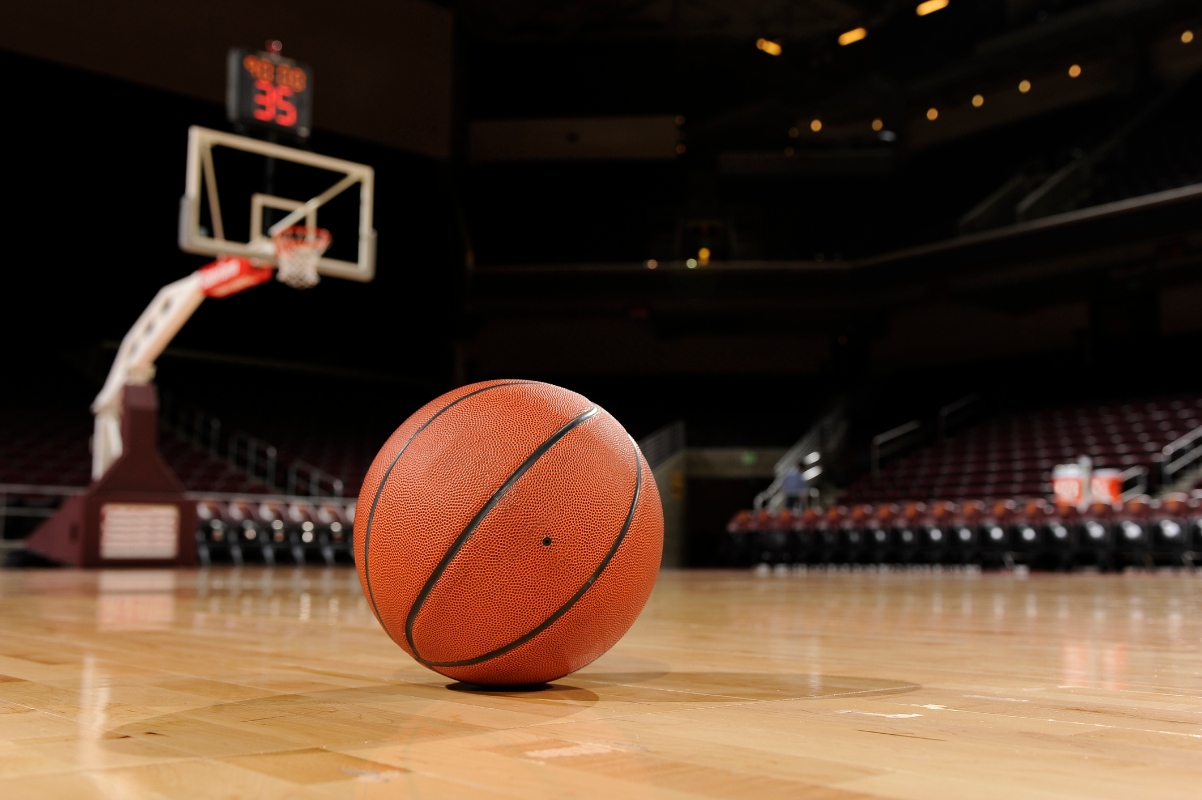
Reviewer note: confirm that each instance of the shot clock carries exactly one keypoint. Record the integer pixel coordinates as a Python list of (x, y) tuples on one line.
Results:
[(269, 91)]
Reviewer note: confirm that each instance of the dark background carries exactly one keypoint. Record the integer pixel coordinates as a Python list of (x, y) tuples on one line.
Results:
[(815, 291)]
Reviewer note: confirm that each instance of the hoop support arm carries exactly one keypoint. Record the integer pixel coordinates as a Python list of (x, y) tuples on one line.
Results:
[(174, 304)]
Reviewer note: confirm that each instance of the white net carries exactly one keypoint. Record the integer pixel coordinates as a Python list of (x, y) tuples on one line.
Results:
[(297, 251)]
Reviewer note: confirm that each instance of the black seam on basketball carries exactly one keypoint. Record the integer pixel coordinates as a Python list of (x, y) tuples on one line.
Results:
[(460, 540), (563, 609), (371, 515)]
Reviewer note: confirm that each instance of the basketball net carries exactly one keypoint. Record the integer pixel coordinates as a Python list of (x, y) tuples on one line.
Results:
[(297, 251)]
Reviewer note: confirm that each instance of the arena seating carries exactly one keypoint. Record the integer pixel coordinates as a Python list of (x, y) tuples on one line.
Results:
[(1012, 456), (203, 472), (345, 456), (983, 497), (270, 531), (44, 448), (1141, 532)]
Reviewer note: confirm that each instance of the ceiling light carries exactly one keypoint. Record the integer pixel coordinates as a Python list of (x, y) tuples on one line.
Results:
[(1024, 86), (978, 100), (816, 125), (930, 7), (1187, 37), (768, 46), (877, 124), (652, 263), (854, 35), (691, 263), (1074, 71), (932, 114)]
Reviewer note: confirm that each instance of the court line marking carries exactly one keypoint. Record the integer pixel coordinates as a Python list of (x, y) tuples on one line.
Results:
[(903, 735), (1065, 721)]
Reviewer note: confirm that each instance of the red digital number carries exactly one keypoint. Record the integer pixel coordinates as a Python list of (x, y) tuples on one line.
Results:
[(274, 105), (265, 99), (287, 115)]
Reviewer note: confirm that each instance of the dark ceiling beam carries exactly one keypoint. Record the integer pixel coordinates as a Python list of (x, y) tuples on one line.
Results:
[(1157, 232), (532, 22)]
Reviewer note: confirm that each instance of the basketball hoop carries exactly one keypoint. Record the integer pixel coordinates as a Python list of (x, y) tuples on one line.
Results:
[(297, 251)]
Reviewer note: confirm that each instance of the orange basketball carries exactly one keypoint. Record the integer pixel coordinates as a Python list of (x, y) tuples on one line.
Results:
[(509, 532)]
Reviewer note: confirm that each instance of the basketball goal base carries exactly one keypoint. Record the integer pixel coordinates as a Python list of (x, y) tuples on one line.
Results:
[(136, 514)]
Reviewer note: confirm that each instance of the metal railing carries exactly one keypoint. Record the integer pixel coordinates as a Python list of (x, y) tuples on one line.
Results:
[(278, 497), (1140, 476), (304, 479), (666, 442), (893, 441), (188, 424), (255, 457), (956, 411), (9, 491), (1180, 455), (814, 449)]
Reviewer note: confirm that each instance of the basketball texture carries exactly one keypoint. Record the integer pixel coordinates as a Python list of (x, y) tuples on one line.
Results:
[(509, 532)]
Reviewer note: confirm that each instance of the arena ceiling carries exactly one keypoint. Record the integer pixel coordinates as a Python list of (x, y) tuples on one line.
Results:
[(533, 20)]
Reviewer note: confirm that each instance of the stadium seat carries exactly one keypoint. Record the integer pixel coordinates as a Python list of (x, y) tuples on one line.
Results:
[(853, 535), (878, 534), (335, 522), (1172, 529), (965, 539), (772, 543), (1095, 544), (1029, 532), (1132, 529), (806, 545), (212, 532), (735, 549), (907, 531), (244, 534), (830, 530), (937, 532), (273, 527)]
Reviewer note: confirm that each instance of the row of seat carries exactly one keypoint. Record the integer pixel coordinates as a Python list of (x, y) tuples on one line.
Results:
[(1013, 455), (270, 531), (1140, 532), (345, 454)]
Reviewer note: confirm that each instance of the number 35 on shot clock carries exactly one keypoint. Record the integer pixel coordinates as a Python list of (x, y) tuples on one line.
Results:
[(266, 90)]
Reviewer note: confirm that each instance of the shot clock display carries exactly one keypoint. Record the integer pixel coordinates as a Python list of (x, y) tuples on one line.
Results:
[(269, 91)]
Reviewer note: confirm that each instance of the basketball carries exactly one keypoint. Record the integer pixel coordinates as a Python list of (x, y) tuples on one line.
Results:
[(755, 376), (509, 532)]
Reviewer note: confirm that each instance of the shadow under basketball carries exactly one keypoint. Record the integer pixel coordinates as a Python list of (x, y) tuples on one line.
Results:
[(541, 691)]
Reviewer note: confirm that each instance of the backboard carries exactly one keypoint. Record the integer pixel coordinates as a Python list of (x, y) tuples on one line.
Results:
[(241, 191)]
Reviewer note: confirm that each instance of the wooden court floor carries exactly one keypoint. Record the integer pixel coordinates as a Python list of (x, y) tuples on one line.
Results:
[(265, 683)]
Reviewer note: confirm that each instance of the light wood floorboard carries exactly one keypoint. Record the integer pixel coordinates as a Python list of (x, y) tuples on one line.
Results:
[(266, 683)]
